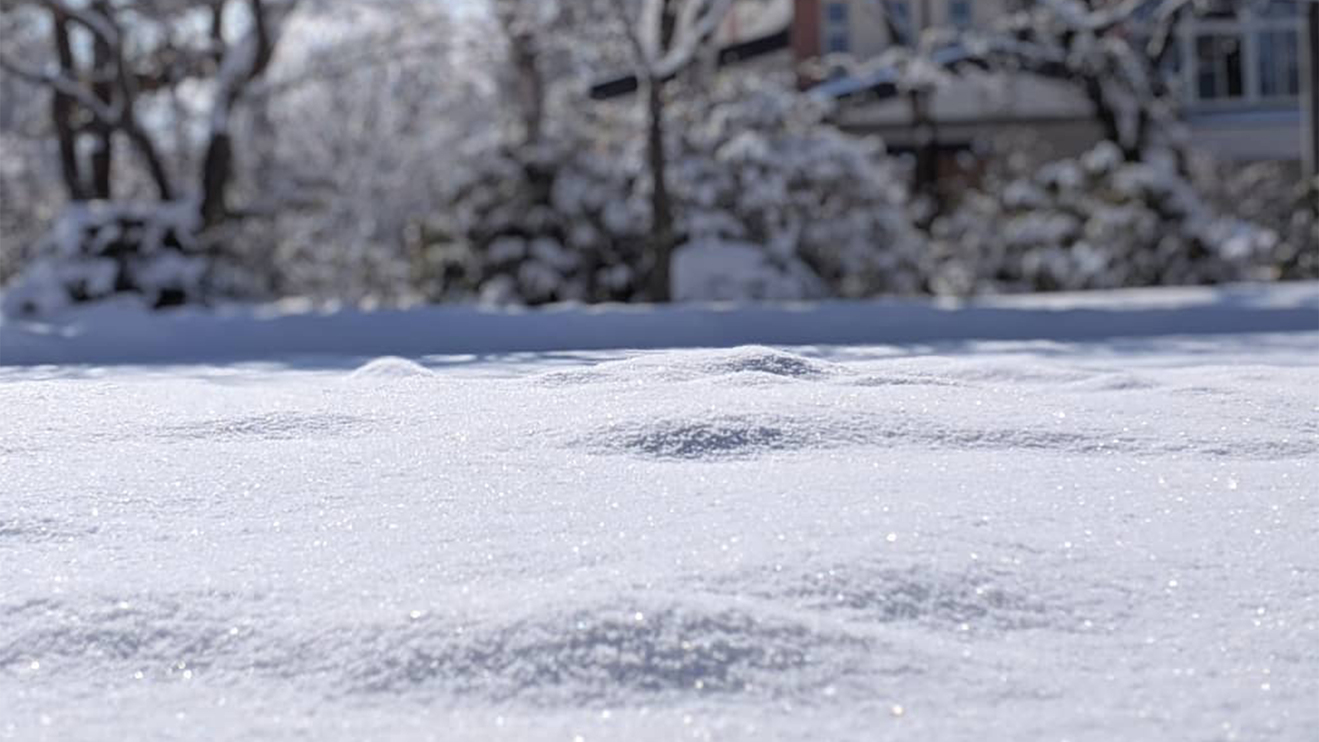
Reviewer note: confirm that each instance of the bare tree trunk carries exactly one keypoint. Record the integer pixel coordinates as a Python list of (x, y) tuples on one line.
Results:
[(146, 149), (62, 108), (217, 168), (927, 149), (1310, 95), (530, 85), (217, 165), (661, 205), (103, 57), (219, 153)]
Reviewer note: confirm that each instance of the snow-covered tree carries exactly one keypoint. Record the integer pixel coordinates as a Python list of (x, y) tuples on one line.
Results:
[(31, 193), (343, 139), (364, 120), (561, 204), (1115, 51), (541, 207), (665, 37), (116, 69)]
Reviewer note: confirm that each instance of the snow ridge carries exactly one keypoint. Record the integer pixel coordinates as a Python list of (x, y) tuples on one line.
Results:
[(389, 368)]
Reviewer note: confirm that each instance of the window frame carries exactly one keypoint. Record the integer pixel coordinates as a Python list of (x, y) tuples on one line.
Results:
[(967, 7), (835, 27), (1249, 28)]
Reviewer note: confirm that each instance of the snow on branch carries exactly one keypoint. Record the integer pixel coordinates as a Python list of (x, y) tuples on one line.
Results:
[(697, 21), (662, 55)]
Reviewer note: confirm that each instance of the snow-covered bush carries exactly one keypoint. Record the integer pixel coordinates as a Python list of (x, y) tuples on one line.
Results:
[(1298, 253), (1096, 222), (759, 167), (1273, 195), (769, 201), (96, 249), (555, 222)]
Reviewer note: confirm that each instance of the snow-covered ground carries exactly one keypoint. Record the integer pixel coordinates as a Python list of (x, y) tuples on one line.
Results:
[(1022, 539)]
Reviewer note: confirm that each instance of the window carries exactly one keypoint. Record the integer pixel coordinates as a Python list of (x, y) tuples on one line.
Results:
[(836, 42), (1279, 64), (1277, 9), (901, 12), (1218, 66), (959, 13), (836, 36), (1243, 56)]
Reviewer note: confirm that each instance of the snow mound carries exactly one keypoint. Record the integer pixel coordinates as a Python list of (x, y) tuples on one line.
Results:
[(759, 359), (39, 529), (705, 435), (162, 635), (904, 379), (583, 652), (388, 368), (694, 438), (714, 436), (872, 590), (1116, 382), (274, 425), (687, 365), (604, 654)]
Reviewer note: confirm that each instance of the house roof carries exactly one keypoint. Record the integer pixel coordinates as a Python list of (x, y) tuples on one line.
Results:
[(729, 54), (883, 82)]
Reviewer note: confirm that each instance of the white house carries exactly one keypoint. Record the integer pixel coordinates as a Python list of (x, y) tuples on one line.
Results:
[(1240, 70)]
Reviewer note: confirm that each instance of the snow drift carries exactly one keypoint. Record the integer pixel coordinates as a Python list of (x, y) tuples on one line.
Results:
[(1014, 540)]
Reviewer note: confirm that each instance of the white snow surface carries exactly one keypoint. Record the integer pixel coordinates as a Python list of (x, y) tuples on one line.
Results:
[(988, 539)]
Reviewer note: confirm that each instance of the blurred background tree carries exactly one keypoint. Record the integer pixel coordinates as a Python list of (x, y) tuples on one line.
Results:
[(196, 151)]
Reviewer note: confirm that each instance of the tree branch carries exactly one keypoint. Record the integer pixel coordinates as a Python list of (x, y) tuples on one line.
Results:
[(63, 85)]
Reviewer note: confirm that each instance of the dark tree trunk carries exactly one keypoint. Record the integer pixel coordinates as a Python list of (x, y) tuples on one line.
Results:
[(661, 205), (216, 171), (1311, 92), (101, 159), (217, 165), (927, 149), (62, 110), (1107, 118), (146, 149), (530, 85)]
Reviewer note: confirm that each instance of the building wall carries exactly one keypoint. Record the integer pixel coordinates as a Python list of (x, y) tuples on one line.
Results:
[(977, 108), (1263, 135), (867, 30), (805, 29)]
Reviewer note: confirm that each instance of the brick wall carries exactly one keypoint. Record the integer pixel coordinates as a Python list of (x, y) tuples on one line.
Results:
[(805, 30)]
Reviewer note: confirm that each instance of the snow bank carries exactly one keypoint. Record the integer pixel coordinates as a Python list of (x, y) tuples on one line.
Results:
[(722, 270), (127, 334)]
